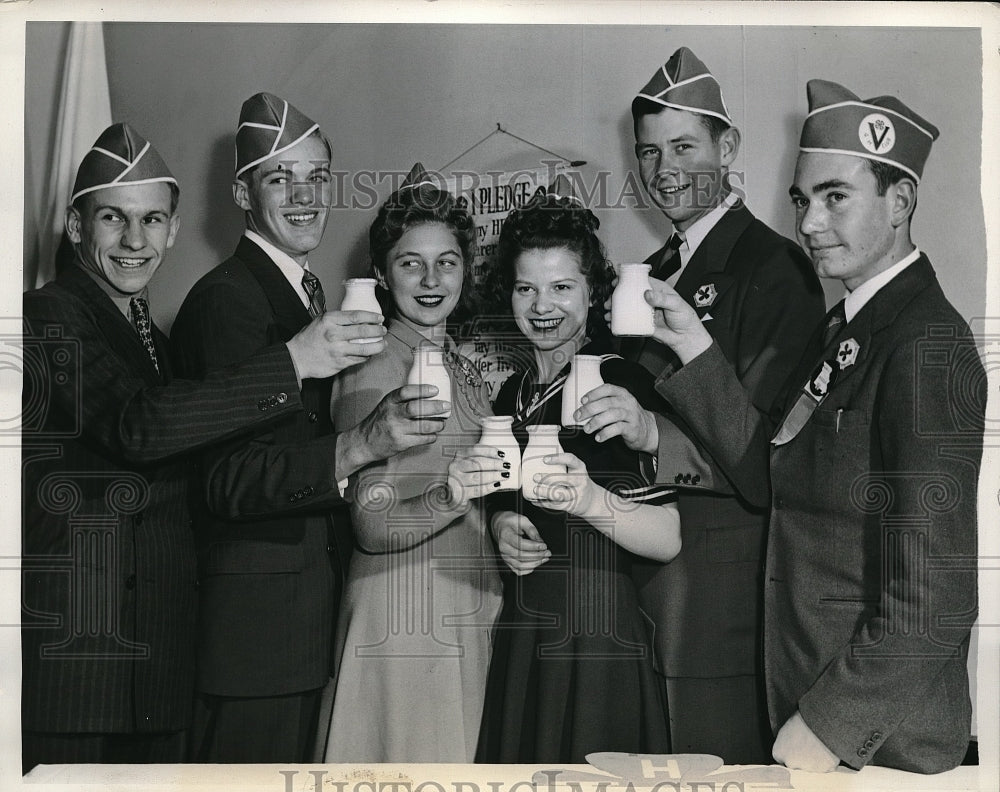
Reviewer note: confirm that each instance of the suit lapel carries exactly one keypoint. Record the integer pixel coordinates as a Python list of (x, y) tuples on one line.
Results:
[(702, 284), (875, 316), (115, 327), (289, 312)]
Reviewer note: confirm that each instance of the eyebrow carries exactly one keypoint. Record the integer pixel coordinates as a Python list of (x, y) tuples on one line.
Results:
[(418, 254), (119, 210), (829, 184)]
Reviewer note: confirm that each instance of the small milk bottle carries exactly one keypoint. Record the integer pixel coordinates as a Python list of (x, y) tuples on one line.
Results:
[(543, 441), (631, 315), (497, 433), (429, 368), (359, 295), (584, 376)]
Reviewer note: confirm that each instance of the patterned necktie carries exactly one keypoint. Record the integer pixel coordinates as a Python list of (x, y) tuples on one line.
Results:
[(670, 262), (822, 379), (140, 318), (317, 300), (834, 322)]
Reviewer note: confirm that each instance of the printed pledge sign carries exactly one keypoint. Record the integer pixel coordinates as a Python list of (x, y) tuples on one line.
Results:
[(487, 340)]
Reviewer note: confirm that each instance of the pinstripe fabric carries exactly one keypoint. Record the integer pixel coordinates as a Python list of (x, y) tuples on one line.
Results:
[(270, 559), (109, 595)]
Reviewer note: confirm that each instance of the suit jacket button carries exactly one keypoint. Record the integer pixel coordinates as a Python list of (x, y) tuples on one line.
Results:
[(130, 582), (877, 735), (313, 417), (282, 397), (678, 478), (329, 548), (695, 479), (862, 753), (262, 405), (309, 491)]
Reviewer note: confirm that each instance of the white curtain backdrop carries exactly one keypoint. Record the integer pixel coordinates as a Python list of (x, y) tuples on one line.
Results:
[(84, 112)]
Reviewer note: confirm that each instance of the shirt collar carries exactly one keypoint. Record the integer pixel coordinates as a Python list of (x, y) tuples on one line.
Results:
[(120, 300), (700, 229), (856, 300), (289, 267), (398, 328)]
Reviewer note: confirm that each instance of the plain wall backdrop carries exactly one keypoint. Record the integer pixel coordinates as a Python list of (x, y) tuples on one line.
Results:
[(389, 95)]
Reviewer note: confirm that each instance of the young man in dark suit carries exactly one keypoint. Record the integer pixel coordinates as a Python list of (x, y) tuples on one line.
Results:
[(757, 296), (109, 584), (871, 461), (272, 551)]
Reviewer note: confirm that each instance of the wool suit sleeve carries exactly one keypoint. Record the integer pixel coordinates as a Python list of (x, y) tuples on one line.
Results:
[(780, 311), (71, 368), (255, 476), (923, 496)]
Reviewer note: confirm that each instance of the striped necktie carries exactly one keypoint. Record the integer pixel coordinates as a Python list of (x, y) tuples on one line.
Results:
[(314, 289), (836, 319), (823, 377), (140, 318), (670, 261)]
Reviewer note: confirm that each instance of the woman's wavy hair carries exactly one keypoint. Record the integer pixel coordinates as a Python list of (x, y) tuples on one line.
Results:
[(408, 208), (549, 222)]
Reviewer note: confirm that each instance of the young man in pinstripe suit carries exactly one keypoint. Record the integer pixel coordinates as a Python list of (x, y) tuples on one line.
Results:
[(109, 585)]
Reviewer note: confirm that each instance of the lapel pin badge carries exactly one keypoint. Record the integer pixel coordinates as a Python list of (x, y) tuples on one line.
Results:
[(847, 353), (705, 296)]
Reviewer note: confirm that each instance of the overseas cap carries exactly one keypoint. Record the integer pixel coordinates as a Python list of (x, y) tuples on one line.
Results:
[(881, 129), (120, 157), (268, 127), (684, 83)]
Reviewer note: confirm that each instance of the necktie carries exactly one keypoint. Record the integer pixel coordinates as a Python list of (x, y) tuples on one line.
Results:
[(835, 320), (670, 262), (317, 300), (822, 379), (140, 317)]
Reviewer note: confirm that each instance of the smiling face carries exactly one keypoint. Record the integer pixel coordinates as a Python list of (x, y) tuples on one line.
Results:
[(423, 272), (122, 233), (550, 300), (680, 165), (846, 227), (287, 198)]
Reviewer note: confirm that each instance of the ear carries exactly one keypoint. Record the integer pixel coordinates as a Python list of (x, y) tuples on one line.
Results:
[(175, 223), (729, 145), (903, 200), (241, 194), (72, 224)]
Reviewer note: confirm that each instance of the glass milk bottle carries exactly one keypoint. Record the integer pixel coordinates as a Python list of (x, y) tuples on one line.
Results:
[(631, 315), (429, 368), (584, 376), (543, 441), (497, 433), (359, 295)]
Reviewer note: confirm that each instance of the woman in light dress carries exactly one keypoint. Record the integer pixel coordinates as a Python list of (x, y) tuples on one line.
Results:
[(423, 592)]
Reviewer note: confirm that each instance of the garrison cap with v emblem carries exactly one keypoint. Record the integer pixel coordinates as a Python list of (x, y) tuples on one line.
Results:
[(684, 83), (269, 126), (120, 157), (882, 129)]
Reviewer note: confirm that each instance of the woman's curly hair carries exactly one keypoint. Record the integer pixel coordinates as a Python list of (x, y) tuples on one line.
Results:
[(408, 208), (550, 222)]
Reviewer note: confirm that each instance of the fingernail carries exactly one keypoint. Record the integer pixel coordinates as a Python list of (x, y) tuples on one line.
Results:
[(506, 465), (505, 474)]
